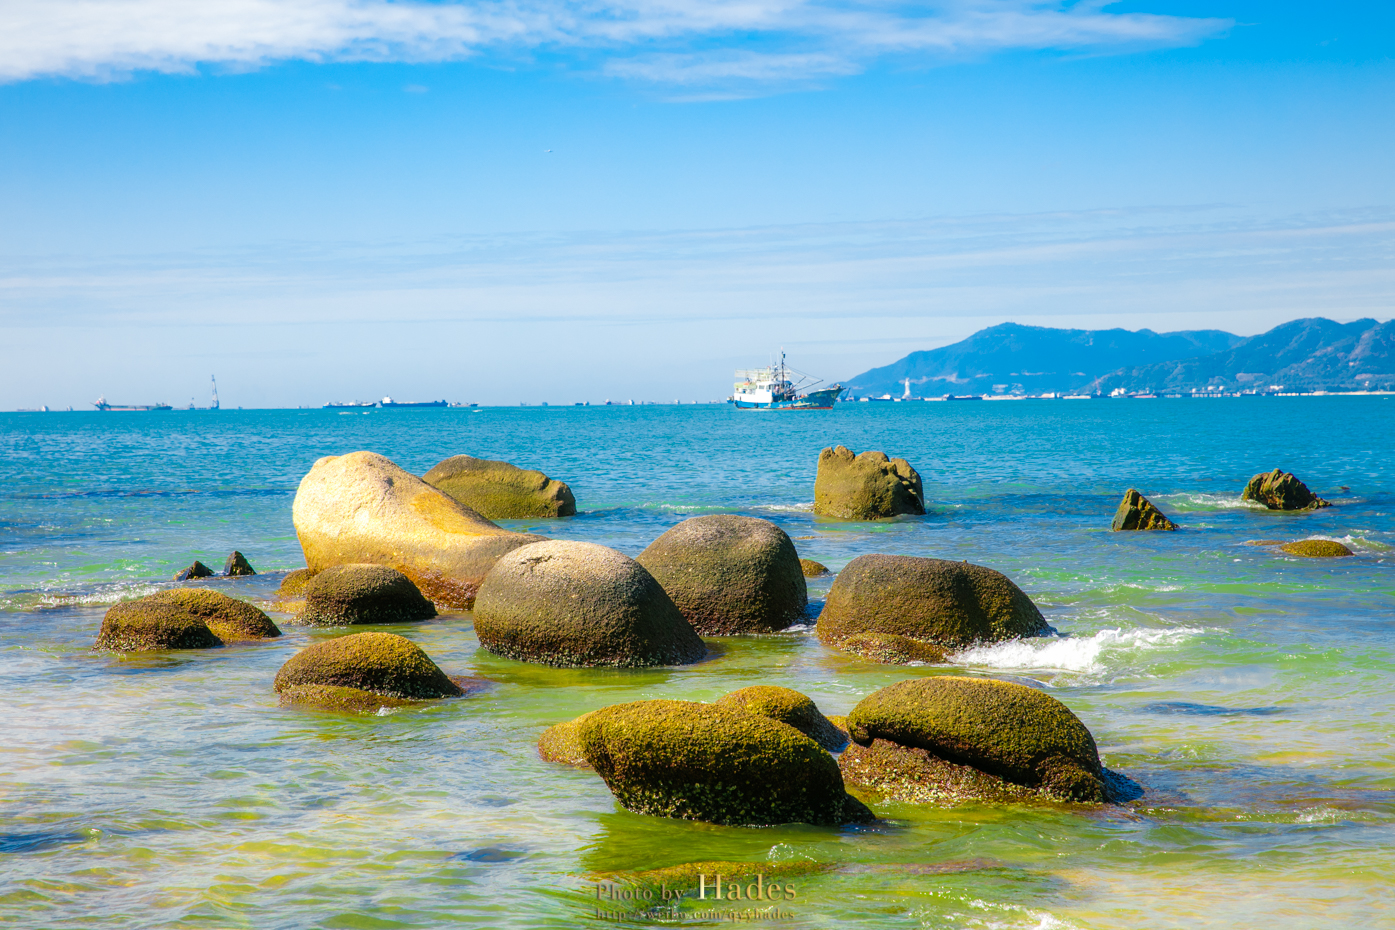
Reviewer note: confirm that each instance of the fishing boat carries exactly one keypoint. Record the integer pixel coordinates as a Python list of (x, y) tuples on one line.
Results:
[(101, 404), (775, 388)]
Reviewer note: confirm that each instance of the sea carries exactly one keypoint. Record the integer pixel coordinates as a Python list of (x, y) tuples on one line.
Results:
[(1248, 692)]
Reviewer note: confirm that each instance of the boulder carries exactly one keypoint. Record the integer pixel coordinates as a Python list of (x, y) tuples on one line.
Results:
[(866, 487), (1002, 728), (197, 570), (579, 604), (501, 491), (362, 671), (891, 649), (562, 743), (1279, 490), (788, 706), (343, 595), (148, 625), (812, 569), (361, 507), (229, 619), (730, 574), (237, 565), (1316, 549), (928, 601), (910, 775), (715, 763), (294, 584), (1136, 512)]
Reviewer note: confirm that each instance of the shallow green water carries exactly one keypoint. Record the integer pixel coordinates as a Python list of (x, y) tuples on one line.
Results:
[(1247, 692)]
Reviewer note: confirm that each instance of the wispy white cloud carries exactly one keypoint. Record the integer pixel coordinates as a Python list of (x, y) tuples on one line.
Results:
[(671, 41)]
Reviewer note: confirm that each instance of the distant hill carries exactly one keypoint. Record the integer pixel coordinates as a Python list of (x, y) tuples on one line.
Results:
[(1034, 359)]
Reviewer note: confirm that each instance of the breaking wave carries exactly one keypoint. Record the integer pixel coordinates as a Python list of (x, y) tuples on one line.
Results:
[(1080, 654)]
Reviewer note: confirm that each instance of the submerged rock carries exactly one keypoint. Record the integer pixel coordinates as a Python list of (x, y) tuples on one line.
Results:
[(562, 743), (579, 604), (812, 569), (148, 625), (501, 491), (788, 706), (361, 507), (715, 763), (923, 601), (226, 617), (197, 570), (892, 649), (866, 487), (729, 574), (1136, 512), (910, 775), (374, 665), (237, 565), (343, 595), (1316, 549), (1280, 490), (1002, 728)]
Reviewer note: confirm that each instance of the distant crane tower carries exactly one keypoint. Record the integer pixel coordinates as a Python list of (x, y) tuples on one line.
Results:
[(213, 405)]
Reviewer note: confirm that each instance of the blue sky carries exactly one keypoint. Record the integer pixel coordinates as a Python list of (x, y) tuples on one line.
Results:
[(326, 199)]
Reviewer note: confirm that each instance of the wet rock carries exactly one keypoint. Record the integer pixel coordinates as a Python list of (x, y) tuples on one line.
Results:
[(1002, 728), (729, 574), (717, 764), (866, 487), (562, 743), (361, 507), (236, 565), (910, 775), (501, 491), (1316, 549), (293, 585), (788, 706), (344, 595), (197, 570), (148, 625), (1279, 490), (228, 618), (1136, 512), (358, 671), (928, 601), (579, 604), (894, 650), (812, 569)]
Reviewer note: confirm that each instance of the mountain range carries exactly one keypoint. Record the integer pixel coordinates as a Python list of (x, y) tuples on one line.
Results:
[(1301, 355)]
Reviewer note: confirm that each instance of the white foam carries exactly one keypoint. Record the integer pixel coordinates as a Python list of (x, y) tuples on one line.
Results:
[(1192, 503), (1071, 653)]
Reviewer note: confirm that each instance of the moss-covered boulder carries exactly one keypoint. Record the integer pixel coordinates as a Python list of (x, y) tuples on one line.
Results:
[(890, 649), (374, 665), (926, 601), (866, 487), (236, 565), (579, 604), (361, 507), (812, 569), (1316, 549), (1136, 512), (729, 574), (501, 491), (195, 571), (1005, 729), (1280, 490), (562, 743), (151, 624), (715, 763), (229, 619), (344, 595), (910, 775), (294, 584), (788, 706)]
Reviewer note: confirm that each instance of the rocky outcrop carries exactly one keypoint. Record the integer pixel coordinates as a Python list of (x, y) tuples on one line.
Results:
[(152, 624), (229, 619), (344, 595), (812, 569), (788, 706), (1136, 512), (1279, 490), (361, 507), (1001, 728), (715, 763), (1316, 549), (923, 601), (501, 491), (362, 671), (197, 570), (730, 574), (866, 487), (579, 604), (237, 566)]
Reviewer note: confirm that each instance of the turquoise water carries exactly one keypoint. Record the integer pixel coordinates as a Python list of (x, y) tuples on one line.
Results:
[(1248, 692)]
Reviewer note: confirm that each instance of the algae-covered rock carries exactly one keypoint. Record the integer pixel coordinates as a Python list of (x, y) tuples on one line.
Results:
[(1279, 490), (1316, 549), (910, 775), (788, 706), (343, 700), (892, 649), (866, 487), (501, 491), (1005, 729), (148, 625), (934, 601), (812, 569), (379, 663), (236, 565), (715, 763), (361, 507), (293, 585), (197, 570), (562, 743), (1136, 512), (226, 617), (343, 595), (730, 574), (579, 604)]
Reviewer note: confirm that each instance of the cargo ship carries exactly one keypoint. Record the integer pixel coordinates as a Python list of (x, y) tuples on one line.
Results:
[(389, 402), (774, 388), (101, 404)]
